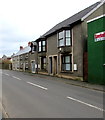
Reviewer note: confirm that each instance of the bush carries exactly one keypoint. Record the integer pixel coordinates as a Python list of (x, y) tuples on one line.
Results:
[(6, 64)]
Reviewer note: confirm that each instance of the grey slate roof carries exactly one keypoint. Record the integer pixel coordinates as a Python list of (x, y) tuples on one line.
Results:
[(27, 49), (71, 20)]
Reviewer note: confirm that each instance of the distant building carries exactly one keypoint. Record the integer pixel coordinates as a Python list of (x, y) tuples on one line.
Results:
[(6, 62), (24, 58)]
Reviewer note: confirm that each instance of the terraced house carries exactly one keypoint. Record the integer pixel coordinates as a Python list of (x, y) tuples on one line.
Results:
[(62, 51), (24, 59)]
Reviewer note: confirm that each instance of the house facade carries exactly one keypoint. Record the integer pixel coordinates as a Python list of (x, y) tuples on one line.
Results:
[(24, 59), (61, 50)]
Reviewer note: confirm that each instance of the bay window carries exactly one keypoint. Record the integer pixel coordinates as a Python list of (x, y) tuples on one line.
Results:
[(68, 37), (64, 38), (61, 39), (42, 46), (39, 46)]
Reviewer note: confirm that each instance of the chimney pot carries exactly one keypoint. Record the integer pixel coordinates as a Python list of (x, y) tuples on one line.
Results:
[(29, 43), (21, 47)]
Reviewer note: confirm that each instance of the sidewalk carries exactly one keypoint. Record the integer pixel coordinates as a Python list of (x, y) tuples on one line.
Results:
[(72, 82), (0, 111)]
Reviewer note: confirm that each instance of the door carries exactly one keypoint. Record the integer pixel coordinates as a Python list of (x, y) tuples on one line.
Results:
[(24, 66), (50, 65), (104, 62), (33, 67), (55, 65)]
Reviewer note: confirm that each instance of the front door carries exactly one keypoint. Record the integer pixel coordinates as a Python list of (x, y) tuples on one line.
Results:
[(50, 65), (104, 62), (55, 65), (24, 66), (33, 67)]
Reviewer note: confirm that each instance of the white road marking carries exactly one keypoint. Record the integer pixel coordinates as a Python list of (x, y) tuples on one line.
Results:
[(86, 104), (37, 86), (7, 74), (16, 78)]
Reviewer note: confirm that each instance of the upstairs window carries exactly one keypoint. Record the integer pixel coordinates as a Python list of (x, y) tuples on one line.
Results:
[(42, 46), (61, 39), (64, 38), (39, 46), (67, 37), (33, 47), (26, 57)]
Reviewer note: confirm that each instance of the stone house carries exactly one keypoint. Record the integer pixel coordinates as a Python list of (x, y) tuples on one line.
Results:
[(24, 59)]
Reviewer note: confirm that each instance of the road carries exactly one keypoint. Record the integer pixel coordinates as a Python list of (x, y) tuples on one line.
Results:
[(30, 96)]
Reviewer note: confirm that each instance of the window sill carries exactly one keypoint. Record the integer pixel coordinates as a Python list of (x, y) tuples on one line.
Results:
[(71, 72), (65, 46)]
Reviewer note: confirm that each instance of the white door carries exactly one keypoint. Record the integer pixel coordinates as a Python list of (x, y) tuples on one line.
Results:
[(33, 67)]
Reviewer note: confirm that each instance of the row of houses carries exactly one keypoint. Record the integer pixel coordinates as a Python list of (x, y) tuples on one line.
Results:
[(62, 51)]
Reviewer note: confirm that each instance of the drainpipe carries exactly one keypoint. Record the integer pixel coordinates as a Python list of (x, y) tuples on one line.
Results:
[(37, 57)]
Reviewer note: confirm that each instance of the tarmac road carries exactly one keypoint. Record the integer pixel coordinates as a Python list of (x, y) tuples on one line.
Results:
[(27, 96)]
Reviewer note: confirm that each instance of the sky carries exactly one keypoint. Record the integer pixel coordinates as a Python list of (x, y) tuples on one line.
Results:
[(22, 21)]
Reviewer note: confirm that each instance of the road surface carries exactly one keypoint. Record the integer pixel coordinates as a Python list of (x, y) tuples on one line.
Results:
[(30, 96)]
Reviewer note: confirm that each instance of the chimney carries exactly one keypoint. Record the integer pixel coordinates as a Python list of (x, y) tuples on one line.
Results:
[(102, 1), (21, 47), (29, 43)]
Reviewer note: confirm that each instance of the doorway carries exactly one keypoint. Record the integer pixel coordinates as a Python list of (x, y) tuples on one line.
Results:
[(33, 70), (55, 65), (50, 65)]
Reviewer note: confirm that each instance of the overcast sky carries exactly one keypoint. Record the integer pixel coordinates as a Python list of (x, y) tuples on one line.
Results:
[(22, 21)]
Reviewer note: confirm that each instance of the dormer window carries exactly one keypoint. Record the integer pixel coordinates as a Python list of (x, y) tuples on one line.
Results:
[(42, 46), (64, 38)]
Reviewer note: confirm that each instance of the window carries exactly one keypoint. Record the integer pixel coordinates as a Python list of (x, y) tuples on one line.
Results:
[(66, 63), (26, 56), (61, 39), (33, 49), (26, 65), (68, 37), (21, 57), (43, 63), (42, 46), (64, 38)]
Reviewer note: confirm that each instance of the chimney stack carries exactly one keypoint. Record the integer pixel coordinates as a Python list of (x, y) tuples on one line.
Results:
[(29, 43), (103, 1), (21, 47)]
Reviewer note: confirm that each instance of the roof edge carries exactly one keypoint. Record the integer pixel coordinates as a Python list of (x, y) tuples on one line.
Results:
[(101, 3), (96, 18)]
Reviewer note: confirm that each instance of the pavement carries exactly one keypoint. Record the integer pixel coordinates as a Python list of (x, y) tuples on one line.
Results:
[(0, 111), (72, 82)]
